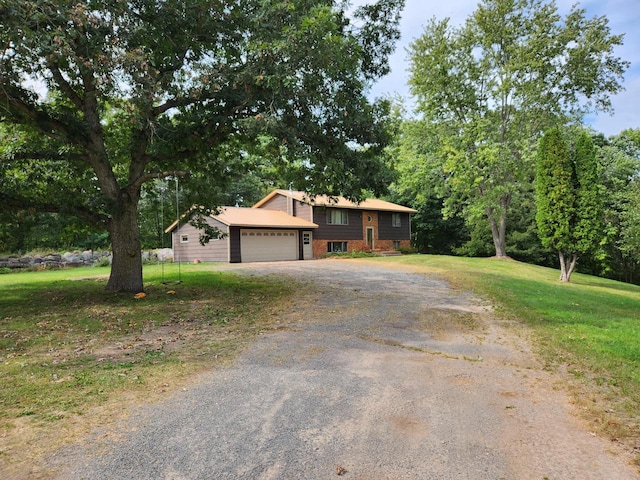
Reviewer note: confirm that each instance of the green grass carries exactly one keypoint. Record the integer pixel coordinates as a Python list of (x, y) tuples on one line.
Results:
[(590, 326), (66, 344), (56, 328)]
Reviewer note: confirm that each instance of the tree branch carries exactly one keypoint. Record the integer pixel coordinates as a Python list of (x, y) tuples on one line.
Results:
[(20, 111), (64, 86), (23, 203), (150, 176)]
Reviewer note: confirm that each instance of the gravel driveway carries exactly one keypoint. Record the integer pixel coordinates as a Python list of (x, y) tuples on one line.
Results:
[(381, 374)]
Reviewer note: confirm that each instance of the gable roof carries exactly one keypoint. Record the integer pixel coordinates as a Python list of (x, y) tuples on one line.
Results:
[(254, 218), (337, 202), (260, 218)]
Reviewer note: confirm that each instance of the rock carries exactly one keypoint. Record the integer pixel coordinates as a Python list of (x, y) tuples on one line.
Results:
[(165, 254)]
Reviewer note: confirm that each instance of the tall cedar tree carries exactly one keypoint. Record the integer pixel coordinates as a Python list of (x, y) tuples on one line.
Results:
[(143, 89), (568, 198)]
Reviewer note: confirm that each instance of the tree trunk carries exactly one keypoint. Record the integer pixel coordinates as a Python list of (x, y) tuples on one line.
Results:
[(567, 265), (498, 232), (126, 266)]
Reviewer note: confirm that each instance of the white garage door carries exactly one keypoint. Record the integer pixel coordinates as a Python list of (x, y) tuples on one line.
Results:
[(268, 245)]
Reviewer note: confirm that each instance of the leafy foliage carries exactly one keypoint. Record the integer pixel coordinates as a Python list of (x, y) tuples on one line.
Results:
[(569, 200), (487, 89), (132, 96)]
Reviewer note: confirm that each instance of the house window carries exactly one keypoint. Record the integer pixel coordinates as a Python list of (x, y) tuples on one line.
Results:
[(184, 238), (337, 247), (336, 216), (395, 220)]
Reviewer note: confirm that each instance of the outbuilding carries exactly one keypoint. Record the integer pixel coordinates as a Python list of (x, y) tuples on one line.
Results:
[(247, 235)]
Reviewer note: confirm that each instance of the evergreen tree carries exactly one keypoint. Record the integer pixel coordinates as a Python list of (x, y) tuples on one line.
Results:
[(568, 198)]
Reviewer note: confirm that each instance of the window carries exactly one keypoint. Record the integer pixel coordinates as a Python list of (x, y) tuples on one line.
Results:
[(395, 220), (336, 216), (337, 247), (306, 238), (184, 238)]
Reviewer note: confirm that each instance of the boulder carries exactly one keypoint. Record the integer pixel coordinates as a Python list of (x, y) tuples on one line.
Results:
[(165, 254)]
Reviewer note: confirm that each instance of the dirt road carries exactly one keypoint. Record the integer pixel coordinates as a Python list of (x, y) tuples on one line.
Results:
[(380, 374)]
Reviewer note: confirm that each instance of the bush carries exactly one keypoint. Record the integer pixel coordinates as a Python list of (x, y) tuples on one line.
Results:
[(103, 262), (355, 254)]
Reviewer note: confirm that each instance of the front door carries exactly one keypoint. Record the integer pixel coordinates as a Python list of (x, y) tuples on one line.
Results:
[(370, 238), (307, 246)]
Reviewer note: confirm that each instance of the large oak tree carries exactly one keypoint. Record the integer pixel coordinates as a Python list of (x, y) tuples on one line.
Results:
[(488, 89), (100, 97)]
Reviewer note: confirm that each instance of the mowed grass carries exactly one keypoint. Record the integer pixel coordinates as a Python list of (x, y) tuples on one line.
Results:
[(589, 328), (67, 345)]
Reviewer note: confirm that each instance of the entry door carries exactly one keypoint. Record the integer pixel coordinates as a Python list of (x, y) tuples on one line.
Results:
[(307, 246), (370, 238)]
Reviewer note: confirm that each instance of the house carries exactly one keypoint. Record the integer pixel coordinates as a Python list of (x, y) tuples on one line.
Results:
[(288, 225)]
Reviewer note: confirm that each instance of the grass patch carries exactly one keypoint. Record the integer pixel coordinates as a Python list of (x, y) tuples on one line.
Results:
[(67, 345), (589, 327)]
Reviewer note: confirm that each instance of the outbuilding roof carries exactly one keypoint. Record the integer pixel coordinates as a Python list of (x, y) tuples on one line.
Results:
[(337, 202)]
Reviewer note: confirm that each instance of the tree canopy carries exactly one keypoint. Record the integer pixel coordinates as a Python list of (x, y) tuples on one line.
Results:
[(100, 97), (488, 89)]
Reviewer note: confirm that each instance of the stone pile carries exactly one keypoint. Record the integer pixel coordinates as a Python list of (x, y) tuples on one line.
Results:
[(55, 260), (75, 259)]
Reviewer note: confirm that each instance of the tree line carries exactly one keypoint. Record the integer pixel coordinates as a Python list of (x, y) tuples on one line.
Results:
[(256, 95)]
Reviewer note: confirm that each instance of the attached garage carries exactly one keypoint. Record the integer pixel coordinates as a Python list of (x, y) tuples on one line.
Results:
[(268, 245), (250, 235)]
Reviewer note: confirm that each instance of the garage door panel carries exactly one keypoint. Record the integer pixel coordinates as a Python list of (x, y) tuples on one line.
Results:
[(268, 245)]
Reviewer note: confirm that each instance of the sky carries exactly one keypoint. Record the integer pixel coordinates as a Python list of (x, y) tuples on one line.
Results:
[(623, 16)]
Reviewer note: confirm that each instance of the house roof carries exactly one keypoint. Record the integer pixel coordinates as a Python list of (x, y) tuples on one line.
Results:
[(337, 202), (254, 218), (260, 218)]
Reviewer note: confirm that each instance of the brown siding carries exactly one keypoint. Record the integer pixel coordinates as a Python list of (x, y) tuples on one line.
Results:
[(279, 202), (214, 251), (352, 231), (386, 230), (302, 210)]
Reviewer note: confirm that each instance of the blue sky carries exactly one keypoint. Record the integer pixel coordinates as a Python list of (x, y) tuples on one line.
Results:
[(623, 15)]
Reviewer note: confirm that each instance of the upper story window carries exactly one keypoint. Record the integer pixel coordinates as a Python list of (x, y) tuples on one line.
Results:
[(396, 220), (184, 238), (337, 216)]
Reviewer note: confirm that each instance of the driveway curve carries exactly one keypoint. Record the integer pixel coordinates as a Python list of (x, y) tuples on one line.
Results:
[(378, 373)]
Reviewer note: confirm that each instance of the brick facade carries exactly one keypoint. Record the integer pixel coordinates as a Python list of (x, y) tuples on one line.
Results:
[(320, 247)]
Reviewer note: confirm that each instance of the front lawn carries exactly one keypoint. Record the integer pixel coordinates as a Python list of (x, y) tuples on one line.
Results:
[(68, 346)]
